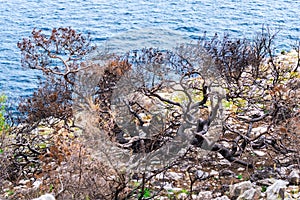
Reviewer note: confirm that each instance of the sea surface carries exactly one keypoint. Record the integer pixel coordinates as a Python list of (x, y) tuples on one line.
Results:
[(119, 26)]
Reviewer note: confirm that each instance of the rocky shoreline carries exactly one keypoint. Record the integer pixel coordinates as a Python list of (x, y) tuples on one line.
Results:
[(210, 176)]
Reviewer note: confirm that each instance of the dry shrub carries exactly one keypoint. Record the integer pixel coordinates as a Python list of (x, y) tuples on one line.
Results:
[(260, 92), (70, 172), (51, 101)]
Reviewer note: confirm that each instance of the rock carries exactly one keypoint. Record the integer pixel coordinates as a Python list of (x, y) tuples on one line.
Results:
[(227, 172), (293, 166), (6, 184), (259, 130), (225, 162), (265, 173), (214, 173), (205, 195), (241, 169), (225, 188), (250, 194), (217, 194), (169, 187), (45, 197), (182, 196), (266, 182), (259, 153), (24, 182), (163, 198), (282, 171), (222, 198), (276, 190), (161, 177), (174, 176), (37, 184), (294, 177), (237, 189), (201, 175)]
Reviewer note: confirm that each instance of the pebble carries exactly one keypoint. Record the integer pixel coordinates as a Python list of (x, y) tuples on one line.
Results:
[(222, 198), (259, 153), (265, 182), (201, 175), (241, 169), (24, 182), (169, 187), (205, 195), (183, 196), (227, 172), (282, 171), (174, 175), (225, 162), (214, 173)]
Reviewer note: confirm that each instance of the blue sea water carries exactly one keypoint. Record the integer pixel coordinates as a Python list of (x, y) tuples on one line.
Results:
[(125, 25)]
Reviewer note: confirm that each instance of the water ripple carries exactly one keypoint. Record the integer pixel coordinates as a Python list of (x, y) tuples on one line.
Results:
[(134, 24)]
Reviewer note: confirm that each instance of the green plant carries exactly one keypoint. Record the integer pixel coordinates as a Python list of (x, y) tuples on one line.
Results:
[(3, 124), (263, 188), (170, 194), (240, 177), (295, 191), (184, 191), (10, 192), (136, 184), (145, 194), (51, 188)]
